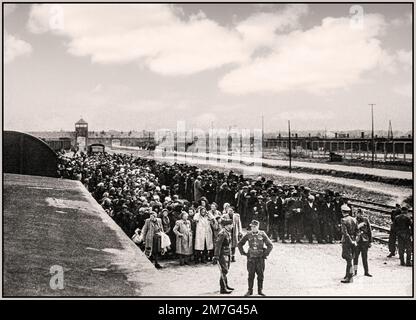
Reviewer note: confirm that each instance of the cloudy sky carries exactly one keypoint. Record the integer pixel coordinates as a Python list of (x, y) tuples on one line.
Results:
[(133, 67)]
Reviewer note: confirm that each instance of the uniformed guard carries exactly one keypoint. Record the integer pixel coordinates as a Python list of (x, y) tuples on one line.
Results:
[(392, 234), (256, 255), (364, 239), (349, 234), (222, 254), (403, 226)]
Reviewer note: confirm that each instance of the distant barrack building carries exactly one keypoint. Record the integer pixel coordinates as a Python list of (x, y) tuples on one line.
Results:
[(125, 138), (354, 144)]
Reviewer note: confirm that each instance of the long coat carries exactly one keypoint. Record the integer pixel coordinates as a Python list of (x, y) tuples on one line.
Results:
[(237, 228), (150, 228), (203, 232), (183, 231), (198, 191), (349, 233)]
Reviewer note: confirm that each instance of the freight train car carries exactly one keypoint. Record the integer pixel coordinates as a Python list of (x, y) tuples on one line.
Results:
[(59, 144)]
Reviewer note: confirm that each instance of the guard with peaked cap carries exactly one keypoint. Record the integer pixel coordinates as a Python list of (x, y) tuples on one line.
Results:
[(259, 248), (349, 232), (222, 254)]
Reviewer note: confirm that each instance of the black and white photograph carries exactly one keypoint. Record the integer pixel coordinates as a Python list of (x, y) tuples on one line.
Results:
[(238, 150)]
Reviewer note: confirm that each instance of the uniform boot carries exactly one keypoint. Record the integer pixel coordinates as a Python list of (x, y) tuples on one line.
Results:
[(402, 260), (346, 273), (233, 258), (366, 273), (408, 260), (349, 279), (260, 288), (249, 293), (355, 269), (250, 287), (350, 274), (181, 260), (227, 286), (223, 289)]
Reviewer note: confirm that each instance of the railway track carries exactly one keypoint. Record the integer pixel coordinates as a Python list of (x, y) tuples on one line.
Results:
[(380, 233)]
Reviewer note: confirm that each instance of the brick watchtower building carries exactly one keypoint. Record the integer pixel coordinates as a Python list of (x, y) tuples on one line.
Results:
[(81, 134)]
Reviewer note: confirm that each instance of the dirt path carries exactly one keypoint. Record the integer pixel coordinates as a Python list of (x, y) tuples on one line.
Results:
[(292, 270)]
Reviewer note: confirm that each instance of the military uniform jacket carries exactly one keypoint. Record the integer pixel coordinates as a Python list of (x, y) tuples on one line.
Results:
[(257, 242), (349, 230), (403, 225), (364, 230), (223, 244), (394, 214)]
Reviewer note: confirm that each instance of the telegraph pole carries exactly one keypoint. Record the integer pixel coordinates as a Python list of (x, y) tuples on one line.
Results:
[(262, 136), (372, 134), (290, 148)]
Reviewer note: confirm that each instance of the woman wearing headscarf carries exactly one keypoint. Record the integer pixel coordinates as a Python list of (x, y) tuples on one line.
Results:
[(184, 238)]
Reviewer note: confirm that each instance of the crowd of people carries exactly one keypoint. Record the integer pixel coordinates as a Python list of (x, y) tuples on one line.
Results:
[(175, 210)]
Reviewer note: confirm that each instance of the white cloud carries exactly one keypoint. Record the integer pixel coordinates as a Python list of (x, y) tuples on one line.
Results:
[(15, 47), (329, 56), (158, 36), (151, 35), (265, 55), (260, 28)]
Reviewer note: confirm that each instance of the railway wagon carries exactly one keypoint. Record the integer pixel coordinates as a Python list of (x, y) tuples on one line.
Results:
[(59, 144), (96, 148)]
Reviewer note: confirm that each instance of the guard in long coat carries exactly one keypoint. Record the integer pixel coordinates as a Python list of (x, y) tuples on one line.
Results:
[(349, 234), (237, 229), (222, 255), (204, 242), (403, 226), (184, 241), (392, 234)]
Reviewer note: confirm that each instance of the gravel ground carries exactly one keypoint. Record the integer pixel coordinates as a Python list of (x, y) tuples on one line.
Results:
[(291, 270)]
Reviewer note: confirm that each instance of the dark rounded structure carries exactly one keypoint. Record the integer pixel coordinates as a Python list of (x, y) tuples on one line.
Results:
[(26, 154)]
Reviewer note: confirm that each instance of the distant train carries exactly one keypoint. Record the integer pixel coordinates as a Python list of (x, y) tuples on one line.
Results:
[(59, 144), (96, 148)]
